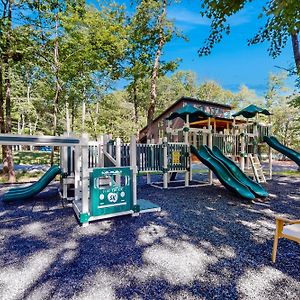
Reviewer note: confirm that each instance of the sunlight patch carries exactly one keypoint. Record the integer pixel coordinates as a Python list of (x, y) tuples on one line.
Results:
[(149, 234), (261, 284), (182, 295), (103, 227), (260, 230), (15, 280), (100, 286), (176, 262), (33, 229)]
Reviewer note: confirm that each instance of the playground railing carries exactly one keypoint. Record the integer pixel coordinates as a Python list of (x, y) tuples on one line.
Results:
[(125, 155), (263, 130), (149, 157), (227, 143), (178, 155), (93, 154)]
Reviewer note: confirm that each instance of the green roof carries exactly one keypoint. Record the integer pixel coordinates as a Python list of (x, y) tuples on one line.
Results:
[(193, 112), (251, 111)]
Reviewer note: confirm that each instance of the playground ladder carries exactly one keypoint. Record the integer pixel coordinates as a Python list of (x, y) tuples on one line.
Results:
[(257, 168)]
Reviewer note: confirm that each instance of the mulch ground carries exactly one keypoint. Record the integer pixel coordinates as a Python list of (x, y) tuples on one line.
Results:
[(204, 244)]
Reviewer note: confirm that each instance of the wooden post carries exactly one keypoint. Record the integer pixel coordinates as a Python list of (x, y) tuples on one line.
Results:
[(242, 154), (204, 138), (165, 163), (118, 159), (84, 142), (133, 165), (270, 151), (77, 182), (188, 175), (148, 175), (210, 144), (270, 163), (100, 151)]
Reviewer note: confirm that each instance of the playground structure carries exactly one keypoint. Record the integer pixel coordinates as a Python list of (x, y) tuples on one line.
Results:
[(241, 142), (100, 177), (98, 192)]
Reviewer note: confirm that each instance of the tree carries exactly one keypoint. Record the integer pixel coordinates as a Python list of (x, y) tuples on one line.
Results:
[(212, 91), (285, 117), (148, 31), (13, 44), (282, 23), (246, 96)]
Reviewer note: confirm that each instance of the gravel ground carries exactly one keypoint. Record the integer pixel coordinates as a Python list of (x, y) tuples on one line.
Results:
[(204, 244)]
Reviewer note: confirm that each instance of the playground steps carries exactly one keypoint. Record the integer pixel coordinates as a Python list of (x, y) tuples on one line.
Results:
[(257, 168)]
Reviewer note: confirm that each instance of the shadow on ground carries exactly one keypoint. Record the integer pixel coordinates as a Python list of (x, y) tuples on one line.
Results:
[(205, 244)]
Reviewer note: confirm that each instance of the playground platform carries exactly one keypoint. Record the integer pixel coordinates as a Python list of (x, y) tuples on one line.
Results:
[(204, 244)]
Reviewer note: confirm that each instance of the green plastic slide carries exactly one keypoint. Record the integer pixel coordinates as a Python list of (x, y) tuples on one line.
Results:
[(290, 153), (26, 192), (222, 173), (256, 188)]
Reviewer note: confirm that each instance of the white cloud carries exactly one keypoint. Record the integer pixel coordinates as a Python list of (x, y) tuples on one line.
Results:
[(188, 19)]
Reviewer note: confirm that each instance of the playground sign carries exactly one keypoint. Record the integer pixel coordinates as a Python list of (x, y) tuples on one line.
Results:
[(110, 190)]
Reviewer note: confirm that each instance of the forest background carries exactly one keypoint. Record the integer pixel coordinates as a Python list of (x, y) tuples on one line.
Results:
[(60, 61)]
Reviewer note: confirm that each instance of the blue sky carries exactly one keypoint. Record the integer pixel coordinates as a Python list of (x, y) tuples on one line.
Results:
[(232, 62)]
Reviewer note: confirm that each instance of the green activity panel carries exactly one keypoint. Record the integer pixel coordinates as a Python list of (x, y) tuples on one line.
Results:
[(110, 191)]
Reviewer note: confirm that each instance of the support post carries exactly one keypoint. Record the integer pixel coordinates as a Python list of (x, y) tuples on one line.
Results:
[(118, 158), (270, 150), (210, 145), (270, 163), (134, 171), (77, 162), (188, 175), (100, 151), (165, 163), (148, 175), (84, 142), (243, 148)]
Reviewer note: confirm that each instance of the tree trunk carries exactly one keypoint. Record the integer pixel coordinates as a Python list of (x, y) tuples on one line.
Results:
[(135, 103), (8, 160), (153, 87), (83, 116), (55, 111), (68, 127), (296, 50), (72, 115), (2, 122), (57, 84)]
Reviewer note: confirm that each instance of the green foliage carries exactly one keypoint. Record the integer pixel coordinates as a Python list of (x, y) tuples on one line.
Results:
[(147, 29), (286, 120), (282, 19), (212, 91)]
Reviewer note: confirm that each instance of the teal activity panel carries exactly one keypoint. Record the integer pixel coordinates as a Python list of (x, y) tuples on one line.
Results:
[(110, 191)]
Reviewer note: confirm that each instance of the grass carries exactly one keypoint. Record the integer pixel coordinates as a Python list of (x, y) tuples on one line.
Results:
[(34, 157), (23, 176), (288, 173), (159, 173)]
